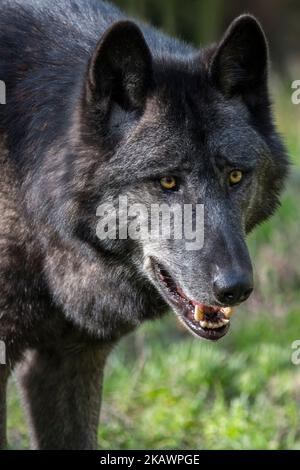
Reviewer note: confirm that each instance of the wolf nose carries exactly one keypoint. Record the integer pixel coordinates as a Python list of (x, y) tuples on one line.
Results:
[(232, 289)]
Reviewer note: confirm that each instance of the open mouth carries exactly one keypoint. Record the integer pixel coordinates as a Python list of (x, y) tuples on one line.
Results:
[(209, 322)]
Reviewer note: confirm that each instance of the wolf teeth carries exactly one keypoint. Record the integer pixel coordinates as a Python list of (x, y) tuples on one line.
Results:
[(199, 316), (199, 313), (213, 325), (228, 312)]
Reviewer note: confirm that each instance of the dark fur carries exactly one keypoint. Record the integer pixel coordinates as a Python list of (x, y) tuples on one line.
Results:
[(83, 125)]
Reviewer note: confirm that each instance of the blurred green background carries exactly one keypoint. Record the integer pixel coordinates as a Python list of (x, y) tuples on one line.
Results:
[(165, 389)]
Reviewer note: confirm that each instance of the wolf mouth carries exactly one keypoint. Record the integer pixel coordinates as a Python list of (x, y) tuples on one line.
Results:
[(209, 322)]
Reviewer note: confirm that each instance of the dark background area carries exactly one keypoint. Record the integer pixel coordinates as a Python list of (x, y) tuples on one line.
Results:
[(204, 21)]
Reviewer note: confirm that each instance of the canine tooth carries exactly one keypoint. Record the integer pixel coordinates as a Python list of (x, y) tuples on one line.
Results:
[(203, 324), (228, 312), (199, 313)]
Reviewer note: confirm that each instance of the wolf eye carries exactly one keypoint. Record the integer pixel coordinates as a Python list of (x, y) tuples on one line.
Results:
[(169, 183), (235, 177)]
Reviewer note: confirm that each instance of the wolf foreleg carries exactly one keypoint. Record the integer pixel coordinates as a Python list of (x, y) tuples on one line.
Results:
[(62, 396)]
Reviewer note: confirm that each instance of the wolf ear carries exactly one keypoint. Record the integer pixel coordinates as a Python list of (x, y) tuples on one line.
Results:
[(240, 63), (121, 67)]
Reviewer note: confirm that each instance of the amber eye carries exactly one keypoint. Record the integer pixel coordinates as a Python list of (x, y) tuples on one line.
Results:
[(169, 182), (235, 177)]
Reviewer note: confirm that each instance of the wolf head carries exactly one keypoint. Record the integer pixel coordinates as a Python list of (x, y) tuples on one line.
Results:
[(192, 131)]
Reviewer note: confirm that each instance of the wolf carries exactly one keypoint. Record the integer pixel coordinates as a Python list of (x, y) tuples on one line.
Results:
[(98, 107)]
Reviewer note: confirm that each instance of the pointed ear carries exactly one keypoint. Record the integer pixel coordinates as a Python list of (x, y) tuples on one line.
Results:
[(240, 63), (121, 67)]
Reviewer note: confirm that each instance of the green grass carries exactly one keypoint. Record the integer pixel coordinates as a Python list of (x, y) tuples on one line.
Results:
[(165, 389)]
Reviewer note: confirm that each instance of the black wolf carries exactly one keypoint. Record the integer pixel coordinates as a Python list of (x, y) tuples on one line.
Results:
[(100, 107)]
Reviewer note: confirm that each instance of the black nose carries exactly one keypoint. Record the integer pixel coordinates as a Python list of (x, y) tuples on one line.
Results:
[(233, 288)]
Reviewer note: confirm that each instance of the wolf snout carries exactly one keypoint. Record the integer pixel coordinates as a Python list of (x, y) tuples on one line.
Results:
[(231, 287)]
